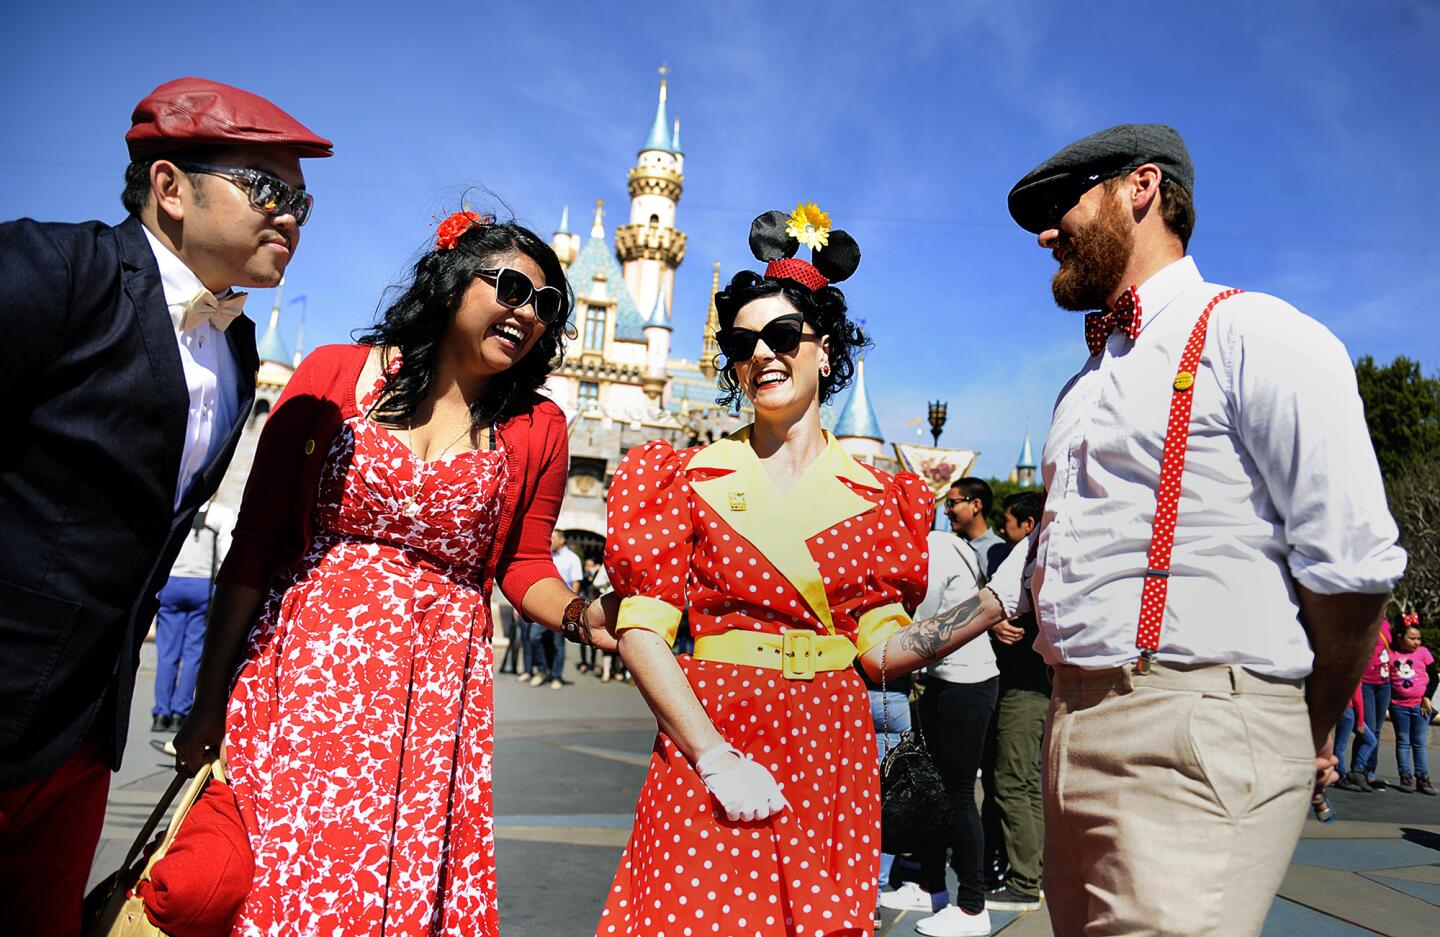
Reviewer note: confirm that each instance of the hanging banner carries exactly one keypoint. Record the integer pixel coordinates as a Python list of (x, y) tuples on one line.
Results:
[(939, 467)]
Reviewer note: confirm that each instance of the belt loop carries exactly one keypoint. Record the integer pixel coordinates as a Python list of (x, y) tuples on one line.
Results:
[(1234, 670), (1128, 675)]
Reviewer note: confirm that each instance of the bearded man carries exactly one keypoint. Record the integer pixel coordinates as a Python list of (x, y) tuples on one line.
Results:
[(1210, 566)]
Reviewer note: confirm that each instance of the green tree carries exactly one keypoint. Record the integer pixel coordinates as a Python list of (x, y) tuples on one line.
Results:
[(1402, 409), (1414, 496), (1003, 489)]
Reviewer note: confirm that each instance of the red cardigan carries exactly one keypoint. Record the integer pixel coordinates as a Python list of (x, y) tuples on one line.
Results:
[(277, 514)]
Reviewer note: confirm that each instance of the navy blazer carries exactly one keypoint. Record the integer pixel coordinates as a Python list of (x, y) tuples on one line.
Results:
[(95, 390)]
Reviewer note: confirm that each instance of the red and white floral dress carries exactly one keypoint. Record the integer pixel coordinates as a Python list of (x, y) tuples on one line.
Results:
[(704, 532), (359, 732)]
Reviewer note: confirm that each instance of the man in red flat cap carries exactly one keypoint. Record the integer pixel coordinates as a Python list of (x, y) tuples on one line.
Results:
[(129, 369)]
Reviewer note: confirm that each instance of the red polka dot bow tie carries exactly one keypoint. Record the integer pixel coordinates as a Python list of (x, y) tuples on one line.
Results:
[(1124, 316)]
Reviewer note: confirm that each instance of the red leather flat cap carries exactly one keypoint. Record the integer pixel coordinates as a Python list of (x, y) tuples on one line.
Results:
[(189, 112)]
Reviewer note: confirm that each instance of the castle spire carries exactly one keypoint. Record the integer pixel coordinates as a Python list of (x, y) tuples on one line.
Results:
[(659, 317), (857, 418), (1027, 458), (675, 137), (1025, 465), (659, 138), (270, 346), (564, 221), (711, 348), (597, 230)]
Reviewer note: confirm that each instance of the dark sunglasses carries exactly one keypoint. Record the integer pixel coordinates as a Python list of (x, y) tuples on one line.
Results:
[(513, 289), (1066, 195), (782, 335), (269, 194)]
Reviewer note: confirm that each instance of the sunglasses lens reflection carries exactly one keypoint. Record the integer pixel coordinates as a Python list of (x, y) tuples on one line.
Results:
[(274, 197)]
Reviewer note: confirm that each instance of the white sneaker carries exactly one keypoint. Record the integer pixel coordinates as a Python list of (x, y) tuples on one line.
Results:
[(950, 921), (908, 897)]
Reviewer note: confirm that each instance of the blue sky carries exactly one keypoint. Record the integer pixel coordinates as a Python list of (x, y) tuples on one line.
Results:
[(1313, 126)]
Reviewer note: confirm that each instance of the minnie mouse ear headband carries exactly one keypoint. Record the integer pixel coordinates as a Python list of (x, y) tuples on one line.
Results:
[(775, 237)]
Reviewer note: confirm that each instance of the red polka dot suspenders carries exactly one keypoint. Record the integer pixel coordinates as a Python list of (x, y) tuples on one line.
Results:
[(1167, 496)]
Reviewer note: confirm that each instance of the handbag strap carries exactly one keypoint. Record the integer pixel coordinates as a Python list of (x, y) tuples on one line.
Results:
[(1167, 495), (153, 820), (884, 701), (192, 793)]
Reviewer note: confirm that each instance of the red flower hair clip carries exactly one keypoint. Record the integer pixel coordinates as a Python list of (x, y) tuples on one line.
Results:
[(447, 234)]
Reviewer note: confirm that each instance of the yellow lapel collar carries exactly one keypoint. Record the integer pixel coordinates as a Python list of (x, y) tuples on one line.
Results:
[(780, 526)]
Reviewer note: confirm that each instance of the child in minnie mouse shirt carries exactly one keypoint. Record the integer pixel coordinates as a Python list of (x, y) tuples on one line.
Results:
[(1411, 664)]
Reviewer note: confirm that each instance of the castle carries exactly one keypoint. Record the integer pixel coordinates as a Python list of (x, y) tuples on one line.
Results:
[(618, 382)]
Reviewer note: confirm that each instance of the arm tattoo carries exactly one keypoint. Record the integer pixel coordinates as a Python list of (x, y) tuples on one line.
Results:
[(927, 639)]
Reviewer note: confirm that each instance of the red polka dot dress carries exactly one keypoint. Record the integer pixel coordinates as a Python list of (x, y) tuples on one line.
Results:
[(703, 531), (359, 733)]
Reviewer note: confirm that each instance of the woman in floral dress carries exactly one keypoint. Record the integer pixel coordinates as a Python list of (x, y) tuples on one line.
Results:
[(395, 482), (760, 813)]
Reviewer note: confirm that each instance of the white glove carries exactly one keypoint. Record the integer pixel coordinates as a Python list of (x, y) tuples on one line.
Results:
[(746, 790)]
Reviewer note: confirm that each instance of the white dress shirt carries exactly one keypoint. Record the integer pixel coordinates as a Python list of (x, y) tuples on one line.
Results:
[(568, 565), (1280, 481), (954, 577), (211, 374)]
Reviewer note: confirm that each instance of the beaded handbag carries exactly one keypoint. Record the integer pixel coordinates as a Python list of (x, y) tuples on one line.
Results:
[(915, 811)]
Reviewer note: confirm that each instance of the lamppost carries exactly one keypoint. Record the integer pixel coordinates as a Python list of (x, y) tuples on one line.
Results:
[(937, 419)]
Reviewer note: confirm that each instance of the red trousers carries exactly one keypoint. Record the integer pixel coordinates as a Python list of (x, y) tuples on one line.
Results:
[(48, 833)]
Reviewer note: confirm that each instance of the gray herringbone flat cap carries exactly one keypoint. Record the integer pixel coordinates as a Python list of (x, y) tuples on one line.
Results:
[(1048, 191)]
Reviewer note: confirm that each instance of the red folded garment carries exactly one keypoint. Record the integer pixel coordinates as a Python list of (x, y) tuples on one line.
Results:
[(197, 889)]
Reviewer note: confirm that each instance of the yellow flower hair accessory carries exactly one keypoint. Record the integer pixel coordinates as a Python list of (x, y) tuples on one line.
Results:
[(809, 225)]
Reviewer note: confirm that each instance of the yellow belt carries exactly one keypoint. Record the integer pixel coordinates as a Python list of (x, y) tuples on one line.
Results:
[(798, 655)]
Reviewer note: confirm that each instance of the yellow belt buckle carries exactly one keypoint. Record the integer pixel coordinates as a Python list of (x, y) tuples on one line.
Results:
[(798, 655)]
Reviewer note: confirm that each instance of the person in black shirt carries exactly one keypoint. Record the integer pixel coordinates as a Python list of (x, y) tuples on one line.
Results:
[(1019, 728)]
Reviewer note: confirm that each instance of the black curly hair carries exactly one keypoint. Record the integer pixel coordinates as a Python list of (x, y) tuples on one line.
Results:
[(824, 309), (416, 323)]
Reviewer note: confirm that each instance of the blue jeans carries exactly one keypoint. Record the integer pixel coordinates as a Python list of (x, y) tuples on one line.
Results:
[(1366, 747), (1412, 732), (1377, 701), (898, 707), (524, 633), (179, 639), (547, 652)]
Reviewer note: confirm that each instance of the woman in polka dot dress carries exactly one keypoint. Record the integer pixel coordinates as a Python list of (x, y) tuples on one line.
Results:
[(394, 483), (760, 813)]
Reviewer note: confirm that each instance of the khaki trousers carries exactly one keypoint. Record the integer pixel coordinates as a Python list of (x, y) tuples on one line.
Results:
[(1173, 800)]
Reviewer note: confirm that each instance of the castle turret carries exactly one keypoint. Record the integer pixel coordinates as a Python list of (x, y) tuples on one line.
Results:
[(657, 342), (1025, 465), (565, 244), (276, 365), (711, 348), (857, 428), (649, 248)]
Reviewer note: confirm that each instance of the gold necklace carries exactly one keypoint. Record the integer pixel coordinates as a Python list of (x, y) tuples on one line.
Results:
[(411, 505)]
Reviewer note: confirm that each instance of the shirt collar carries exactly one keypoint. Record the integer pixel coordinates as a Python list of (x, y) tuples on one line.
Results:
[(1164, 286), (179, 281)]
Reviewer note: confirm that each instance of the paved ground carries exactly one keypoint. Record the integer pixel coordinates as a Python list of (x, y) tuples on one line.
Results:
[(569, 763)]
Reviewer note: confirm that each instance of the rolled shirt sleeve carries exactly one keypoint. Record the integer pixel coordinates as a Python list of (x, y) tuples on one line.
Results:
[(1301, 419), (1011, 582)]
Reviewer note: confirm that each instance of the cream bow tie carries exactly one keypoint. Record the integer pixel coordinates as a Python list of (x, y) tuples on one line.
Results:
[(219, 312)]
